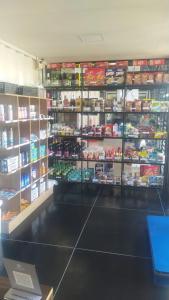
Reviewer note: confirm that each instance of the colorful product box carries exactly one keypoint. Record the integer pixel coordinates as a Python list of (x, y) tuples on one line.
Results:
[(114, 76), (149, 170), (94, 76)]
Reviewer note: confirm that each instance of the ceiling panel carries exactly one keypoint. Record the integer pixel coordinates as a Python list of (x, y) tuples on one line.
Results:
[(52, 29)]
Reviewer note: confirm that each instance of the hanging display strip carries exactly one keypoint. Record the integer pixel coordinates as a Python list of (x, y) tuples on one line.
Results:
[(109, 122)]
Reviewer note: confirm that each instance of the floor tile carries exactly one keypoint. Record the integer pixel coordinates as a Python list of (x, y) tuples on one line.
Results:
[(75, 194), (118, 231), (93, 276), (129, 198), (50, 261), (55, 224)]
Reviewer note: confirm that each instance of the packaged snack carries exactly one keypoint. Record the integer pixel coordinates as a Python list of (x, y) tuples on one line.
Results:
[(147, 78), (94, 76), (129, 78), (146, 170), (166, 78), (146, 104), (108, 130), (129, 105), (158, 77), (114, 76), (137, 78), (160, 135), (138, 104)]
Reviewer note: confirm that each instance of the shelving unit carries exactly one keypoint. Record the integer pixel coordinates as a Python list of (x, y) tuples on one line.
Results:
[(25, 187), (143, 152)]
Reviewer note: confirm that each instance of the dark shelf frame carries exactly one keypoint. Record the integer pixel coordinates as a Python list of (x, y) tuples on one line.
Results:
[(124, 87)]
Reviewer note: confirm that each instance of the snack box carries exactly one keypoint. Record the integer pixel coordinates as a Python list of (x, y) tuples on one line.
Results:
[(146, 170), (114, 76), (94, 76)]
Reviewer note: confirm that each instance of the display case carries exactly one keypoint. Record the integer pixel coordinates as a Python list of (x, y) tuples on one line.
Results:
[(111, 125)]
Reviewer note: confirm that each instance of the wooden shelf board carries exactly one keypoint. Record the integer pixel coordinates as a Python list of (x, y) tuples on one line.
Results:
[(23, 215)]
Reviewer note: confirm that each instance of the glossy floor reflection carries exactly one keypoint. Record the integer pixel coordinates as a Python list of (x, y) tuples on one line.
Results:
[(55, 225), (91, 243), (96, 276), (117, 231), (130, 198)]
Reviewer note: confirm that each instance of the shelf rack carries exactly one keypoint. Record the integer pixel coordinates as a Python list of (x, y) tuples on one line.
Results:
[(150, 90), (22, 130)]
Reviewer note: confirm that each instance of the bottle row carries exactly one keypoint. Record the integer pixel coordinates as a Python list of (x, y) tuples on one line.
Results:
[(142, 151), (114, 130), (8, 112), (110, 105), (109, 173)]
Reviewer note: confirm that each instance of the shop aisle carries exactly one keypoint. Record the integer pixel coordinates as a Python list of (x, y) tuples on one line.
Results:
[(92, 245)]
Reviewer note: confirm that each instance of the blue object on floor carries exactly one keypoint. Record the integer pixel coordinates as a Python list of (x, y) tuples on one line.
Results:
[(158, 227)]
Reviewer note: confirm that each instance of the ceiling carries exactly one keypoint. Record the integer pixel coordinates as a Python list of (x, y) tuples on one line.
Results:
[(58, 30)]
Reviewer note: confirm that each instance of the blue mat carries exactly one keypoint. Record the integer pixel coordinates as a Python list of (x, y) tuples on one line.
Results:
[(158, 228)]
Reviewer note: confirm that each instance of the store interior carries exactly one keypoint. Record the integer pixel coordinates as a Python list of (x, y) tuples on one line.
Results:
[(84, 144)]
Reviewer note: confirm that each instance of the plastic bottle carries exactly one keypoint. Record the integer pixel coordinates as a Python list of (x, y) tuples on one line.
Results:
[(10, 113), (10, 138), (115, 129), (2, 113), (4, 139)]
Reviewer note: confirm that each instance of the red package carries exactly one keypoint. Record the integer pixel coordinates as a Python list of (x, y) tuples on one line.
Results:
[(54, 66), (149, 170), (101, 64), (94, 76), (140, 62), (122, 63), (156, 62), (86, 64), (68, 65)]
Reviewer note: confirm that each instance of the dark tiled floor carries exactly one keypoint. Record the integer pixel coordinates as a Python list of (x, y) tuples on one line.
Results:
[(91, 244), (96, 276), (50, 261), (129, 198), (56, 224), (117, 231)]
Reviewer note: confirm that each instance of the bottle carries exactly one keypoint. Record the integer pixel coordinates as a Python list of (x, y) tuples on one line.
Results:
[(10, 138), (2, 113), (43, 168), (115, 129), (10, 113), (4, 139)]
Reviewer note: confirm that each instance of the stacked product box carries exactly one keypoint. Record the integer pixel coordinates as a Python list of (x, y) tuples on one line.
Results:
[(9, 164)]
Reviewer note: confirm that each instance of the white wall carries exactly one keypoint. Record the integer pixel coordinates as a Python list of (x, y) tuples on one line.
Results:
[(17, 67)]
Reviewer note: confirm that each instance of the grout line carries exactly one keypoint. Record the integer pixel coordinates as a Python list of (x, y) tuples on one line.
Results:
[(161, 203), (85, 223), (36, 243), (113, 253)]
